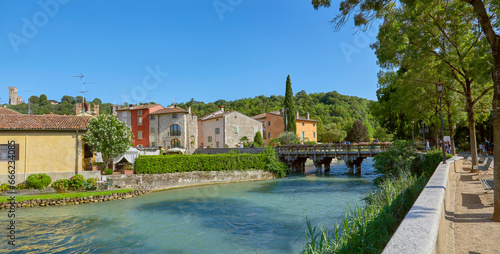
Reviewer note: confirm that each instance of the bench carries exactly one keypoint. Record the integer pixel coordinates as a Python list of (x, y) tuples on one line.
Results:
[(482, 158), (487, 184), (464, 154), (485, 166)]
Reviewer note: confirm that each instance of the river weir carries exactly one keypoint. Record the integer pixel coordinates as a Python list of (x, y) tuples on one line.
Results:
[(249, 217)]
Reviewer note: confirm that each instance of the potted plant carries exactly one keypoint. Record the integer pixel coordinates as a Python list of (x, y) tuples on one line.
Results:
[(128, 169), (96, 165)]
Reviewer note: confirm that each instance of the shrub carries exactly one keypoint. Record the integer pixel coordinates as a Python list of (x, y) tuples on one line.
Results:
[(38, 181), (128, 167), (399, 157), (21, 186), (61, 184), (91, 183), (77, 182), (4, 187), (108, 171), (273, 164), (159, 164), (257, 140)]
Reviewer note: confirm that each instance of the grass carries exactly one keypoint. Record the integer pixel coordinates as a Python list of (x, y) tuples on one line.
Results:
[(64, 195), (369, 229)]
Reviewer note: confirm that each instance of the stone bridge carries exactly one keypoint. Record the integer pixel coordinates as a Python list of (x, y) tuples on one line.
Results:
[(322, 154)]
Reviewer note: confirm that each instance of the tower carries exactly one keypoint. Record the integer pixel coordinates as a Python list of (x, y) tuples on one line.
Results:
[(13, 98)]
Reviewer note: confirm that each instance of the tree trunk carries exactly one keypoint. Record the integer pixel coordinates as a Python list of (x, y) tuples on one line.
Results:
[(496, 132), (472, 125), (450, 129)]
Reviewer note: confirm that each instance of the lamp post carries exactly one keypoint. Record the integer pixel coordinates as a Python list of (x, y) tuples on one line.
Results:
[(440, 88)]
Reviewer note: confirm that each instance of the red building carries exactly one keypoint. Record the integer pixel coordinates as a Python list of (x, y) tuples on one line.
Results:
[(137, 118)]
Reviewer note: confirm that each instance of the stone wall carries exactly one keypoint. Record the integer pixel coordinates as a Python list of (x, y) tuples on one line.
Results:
[(192, 130), (184, 179), (247, 126), (4, 178), (226, 150)]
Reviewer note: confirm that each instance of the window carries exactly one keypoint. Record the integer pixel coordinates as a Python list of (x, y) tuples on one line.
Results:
[(139, 120), (152, 117), (201, 123), (139, 134), (174, 116), (314, 124), (201, 133), (175, 143), (209, 138), (217, 144), (201, 146), (268, 123), (153, 144), (139, 113), (152, 130), (235, 130), (303, 136), (303, 124), (4, 152), (217, 130), (314, 134), (175, 130), (269, 135)]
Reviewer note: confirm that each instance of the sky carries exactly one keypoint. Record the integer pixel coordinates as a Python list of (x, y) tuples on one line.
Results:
[(166, 51)]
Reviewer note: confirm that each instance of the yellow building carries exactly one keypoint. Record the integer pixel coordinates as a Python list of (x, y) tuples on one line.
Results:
[(50, 144)]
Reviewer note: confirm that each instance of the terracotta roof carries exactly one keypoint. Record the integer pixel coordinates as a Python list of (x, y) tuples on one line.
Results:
[(216, 114), (43, 122), (259, 116), (139, 107), (277, 113), (6, 111), (169, 110)]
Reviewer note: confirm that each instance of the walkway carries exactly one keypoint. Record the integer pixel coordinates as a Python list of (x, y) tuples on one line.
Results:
[(474, 230)]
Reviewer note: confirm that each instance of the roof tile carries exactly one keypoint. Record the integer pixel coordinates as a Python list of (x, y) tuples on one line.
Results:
[(43, 122)]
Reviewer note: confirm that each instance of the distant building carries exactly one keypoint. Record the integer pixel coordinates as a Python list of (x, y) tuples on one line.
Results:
[(114, 108), (273, 125), (174, 127), (89, 111), (53, 102), (220, 129), (137, 118), (13, 98)]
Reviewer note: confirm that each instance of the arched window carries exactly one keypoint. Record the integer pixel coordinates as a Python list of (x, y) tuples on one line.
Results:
[(175, 143), (175, 130)]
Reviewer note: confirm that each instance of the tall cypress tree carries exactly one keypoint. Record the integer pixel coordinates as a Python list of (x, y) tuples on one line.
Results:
[(289, 106)]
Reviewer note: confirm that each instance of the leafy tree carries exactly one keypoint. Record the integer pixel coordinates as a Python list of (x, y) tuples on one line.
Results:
[(68, 99), (333, 134), (97, 101), (109, 136), (382, 135), (34, 100), (289, 106), (43, 98), (289, 137), (257, 140), (358, 132)]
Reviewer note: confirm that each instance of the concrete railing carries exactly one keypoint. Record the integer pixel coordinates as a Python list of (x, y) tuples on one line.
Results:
[(226, 150), (425, 228)]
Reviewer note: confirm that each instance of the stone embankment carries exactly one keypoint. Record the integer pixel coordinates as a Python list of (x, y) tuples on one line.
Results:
[(73, 201)]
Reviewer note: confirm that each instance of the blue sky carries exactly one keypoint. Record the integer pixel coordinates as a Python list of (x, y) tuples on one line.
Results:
[(140, 51)]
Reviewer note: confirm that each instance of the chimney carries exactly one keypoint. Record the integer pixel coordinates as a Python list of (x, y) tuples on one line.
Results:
[(296, 114), (307, 115), (222, 109), (78, 108), (189, 109), (281, 111), (96, 109)]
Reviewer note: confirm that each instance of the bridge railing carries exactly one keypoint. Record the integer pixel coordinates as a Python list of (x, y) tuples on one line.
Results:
[(365, 147)]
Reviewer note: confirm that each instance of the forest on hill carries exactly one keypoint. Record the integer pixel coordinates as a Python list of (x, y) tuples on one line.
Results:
[(335, 112)]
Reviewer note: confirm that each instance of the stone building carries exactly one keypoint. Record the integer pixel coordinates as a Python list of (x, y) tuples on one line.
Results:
[(89, 110), (13, 98), (137, 118), (225, 129), (174, 127)]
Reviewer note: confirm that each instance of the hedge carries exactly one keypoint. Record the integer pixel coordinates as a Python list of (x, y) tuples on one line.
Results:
[(160, 164)]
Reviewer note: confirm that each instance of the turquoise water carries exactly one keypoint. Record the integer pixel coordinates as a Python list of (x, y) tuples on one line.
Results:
[(251, 217)]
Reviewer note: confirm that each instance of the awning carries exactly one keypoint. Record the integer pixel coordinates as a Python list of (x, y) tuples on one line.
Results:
[(130, 155)]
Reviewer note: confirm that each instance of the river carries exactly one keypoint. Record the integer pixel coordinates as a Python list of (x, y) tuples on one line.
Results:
[(249, 217)]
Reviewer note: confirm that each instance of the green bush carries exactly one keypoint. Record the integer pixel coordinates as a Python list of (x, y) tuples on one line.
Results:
[(61, 184), (38, 181), (77, 182), (257, 140), (399, 157), (91, 183), (21, 186), (108, 171), (159, 164), (4, 187), (273, 164)]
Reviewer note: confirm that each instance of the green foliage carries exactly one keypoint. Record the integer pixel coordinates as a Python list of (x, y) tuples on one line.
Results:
[(382, 134), (289, 106), (358, 132), (369, 229), (333, 134), (160, 164), (286, 138), (428, 164), (4, 187), (128, 167), (109, 136), (399, 157), (40, 106), (108, 171), (91, 183), (273, 164), (38, 181), (61, 184), (21, 186), (77, 182), (257, 140)]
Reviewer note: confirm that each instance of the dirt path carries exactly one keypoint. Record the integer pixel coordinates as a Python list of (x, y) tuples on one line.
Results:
[(474, 230)]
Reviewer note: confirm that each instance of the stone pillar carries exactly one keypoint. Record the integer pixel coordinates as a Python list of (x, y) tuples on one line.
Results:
[(326, 163)]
